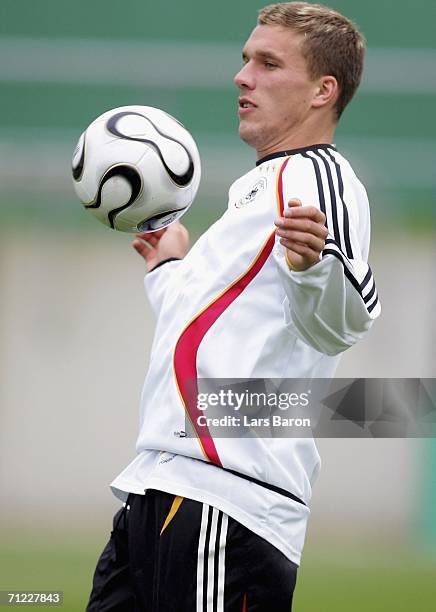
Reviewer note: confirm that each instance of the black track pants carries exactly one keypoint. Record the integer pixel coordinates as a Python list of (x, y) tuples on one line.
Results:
[(173, 554)]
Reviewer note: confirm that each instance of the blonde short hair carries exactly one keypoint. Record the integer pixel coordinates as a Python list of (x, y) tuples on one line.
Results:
[(332, 43)]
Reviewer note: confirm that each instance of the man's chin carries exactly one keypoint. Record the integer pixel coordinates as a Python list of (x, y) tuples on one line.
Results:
[(248, 134)]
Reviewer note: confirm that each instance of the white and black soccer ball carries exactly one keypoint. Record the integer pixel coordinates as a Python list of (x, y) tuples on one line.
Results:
[(136, 168)]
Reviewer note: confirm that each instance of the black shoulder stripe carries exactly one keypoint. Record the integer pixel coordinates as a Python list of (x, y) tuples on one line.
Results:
[(347, 240), (371, 307), (319, 185), (339, 255), (347, 272), (332, 192), (334, 243), (368, 297), (333, 196), (367, 278)]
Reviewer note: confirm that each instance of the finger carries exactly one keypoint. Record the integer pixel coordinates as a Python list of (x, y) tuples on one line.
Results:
[(314, 242), (303, 225), (147, 235), (297, 262), (294, 202), (144, 249), (310, 212), (309, 255), (151, 240)]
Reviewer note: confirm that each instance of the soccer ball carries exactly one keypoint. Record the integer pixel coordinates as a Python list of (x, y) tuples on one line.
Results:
[(136, 169)]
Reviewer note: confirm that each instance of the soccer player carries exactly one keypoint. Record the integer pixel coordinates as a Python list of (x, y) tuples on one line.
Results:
[(279, 287)]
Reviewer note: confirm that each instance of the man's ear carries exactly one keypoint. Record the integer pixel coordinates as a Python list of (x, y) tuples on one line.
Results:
[(327, 92)]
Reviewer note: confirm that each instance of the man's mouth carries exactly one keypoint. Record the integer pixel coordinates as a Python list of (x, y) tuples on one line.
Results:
[(245, 104)]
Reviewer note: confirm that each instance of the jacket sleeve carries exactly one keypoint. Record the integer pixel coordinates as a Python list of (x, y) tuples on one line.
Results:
[(329, 308), (156, 282), (331, 305)]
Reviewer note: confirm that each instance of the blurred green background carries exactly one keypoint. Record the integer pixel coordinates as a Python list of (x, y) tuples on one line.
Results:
[(62, 64), (76, 329)]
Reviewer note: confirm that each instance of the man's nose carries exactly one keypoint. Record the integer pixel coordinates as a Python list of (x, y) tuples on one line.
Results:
[(245, 77)]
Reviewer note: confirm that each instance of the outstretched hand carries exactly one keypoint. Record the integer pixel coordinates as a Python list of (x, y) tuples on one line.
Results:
[(154, 247), (303, 233)]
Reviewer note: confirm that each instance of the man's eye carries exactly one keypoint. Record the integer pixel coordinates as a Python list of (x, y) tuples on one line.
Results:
[(270, 65)]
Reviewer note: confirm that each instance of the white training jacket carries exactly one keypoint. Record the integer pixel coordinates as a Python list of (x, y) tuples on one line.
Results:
[(232, 308)]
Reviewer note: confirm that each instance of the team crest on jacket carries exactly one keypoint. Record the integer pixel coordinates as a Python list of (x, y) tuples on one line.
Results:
[(257, 188)]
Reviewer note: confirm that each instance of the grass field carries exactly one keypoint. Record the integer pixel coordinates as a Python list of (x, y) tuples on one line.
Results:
[(330, 581)]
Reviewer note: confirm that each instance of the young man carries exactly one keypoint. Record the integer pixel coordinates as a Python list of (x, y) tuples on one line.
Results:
[(277, 288)]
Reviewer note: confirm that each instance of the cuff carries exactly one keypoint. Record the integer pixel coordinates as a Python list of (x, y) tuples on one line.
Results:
[(164, 261), (288, 261)]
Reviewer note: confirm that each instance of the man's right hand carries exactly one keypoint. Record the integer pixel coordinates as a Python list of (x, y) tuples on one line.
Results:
[(154, 247)]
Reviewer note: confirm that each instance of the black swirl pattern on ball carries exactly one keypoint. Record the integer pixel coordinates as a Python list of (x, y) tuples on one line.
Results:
[(132, 176), (182, 180), (78, 169)]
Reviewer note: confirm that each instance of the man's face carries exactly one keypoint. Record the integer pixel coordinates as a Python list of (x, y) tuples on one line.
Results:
[(276, 90)]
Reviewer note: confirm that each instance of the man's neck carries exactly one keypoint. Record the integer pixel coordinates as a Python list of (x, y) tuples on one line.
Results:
[(299, 141)]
